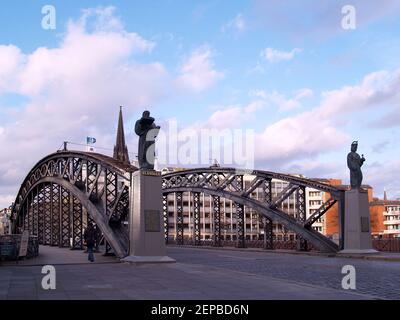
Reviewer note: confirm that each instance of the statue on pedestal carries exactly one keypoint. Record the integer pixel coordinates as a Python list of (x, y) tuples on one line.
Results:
[(147, 131), (354, 163)]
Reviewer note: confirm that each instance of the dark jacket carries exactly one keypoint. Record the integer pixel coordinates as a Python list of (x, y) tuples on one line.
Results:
[(90, 237)]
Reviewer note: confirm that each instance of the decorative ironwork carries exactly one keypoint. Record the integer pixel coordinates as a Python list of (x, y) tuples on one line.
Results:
[(40, 215), (228, 183), (65, 223), (286, 193), (52, 197), (30, 214), (111, 193), (50, 193), (319, 212), (179, 217), (238, 185), (120, 208), (267, 223), (47, 214), (165, 217), (77, 232), (268, 233), (216, 211), (240, 226), (35, 213), (55, 214), (301, 216), (196, 218)]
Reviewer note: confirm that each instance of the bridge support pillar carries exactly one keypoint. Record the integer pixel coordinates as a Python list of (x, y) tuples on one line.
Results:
[(146, 232), (357, 225)]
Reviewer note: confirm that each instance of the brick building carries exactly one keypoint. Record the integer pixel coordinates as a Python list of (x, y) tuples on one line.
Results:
[(385, 218)]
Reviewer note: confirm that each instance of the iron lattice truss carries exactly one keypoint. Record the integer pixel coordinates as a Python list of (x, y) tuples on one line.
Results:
[(228, 183), (67, 190)]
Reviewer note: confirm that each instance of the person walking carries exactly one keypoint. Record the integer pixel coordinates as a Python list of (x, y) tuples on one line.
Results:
[(90, 239)]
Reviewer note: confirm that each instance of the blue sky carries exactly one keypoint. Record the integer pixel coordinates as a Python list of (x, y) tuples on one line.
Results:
[(316, 86)]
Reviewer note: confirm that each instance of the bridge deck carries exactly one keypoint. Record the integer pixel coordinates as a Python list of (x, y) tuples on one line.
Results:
[(204, 274)]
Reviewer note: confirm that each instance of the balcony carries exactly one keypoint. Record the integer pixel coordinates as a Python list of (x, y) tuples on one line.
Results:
[(391, 222), (391, 213), (393, 231)]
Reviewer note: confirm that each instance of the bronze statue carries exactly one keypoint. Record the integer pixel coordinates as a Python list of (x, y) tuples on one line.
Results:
[(147, 132), (354, 163)]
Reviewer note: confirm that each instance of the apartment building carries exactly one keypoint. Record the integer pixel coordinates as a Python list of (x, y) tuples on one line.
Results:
[(385, 218), (5, 224)]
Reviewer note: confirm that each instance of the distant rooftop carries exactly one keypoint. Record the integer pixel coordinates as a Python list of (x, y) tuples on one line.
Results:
[(385, 202)]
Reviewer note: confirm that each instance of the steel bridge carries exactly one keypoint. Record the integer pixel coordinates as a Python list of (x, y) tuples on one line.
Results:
[(69, 189)]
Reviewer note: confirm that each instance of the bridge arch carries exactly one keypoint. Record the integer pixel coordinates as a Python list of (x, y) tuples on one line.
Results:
[(66, 187), (228, 183)]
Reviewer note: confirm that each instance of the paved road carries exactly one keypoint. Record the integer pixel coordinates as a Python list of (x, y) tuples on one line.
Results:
[(377, 278), (199, 274)]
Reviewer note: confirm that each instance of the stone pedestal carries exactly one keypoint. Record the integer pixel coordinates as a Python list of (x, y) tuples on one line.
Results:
[(357, 226), (146, 233)]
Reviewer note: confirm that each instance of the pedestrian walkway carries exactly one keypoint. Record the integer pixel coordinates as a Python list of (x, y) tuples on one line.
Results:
[(58, 256)]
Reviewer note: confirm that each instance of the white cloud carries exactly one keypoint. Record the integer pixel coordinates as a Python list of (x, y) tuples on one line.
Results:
[(230, 117), (302, 136), (384, 176), (10, 61), (6, 200), (376, 88), (104, 19), (238, 24), (273, 55), (314, 132), (279, 100), (226, 118), (197, 72), (74, 90), (257, 69), (304, 93), (320, 130)]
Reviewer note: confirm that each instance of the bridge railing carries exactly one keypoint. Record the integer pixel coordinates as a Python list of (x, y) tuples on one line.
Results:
[(257, 244), (384, 245), (388, 245)]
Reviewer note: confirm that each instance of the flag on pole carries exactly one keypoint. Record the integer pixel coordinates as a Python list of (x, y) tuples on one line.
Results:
[(90, 140)]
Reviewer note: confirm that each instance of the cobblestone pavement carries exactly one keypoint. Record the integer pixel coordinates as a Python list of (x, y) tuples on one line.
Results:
[(377, 278), (196, 275), (199, 274)]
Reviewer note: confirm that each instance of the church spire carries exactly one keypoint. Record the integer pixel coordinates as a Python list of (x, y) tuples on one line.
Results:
[(120, 148)]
